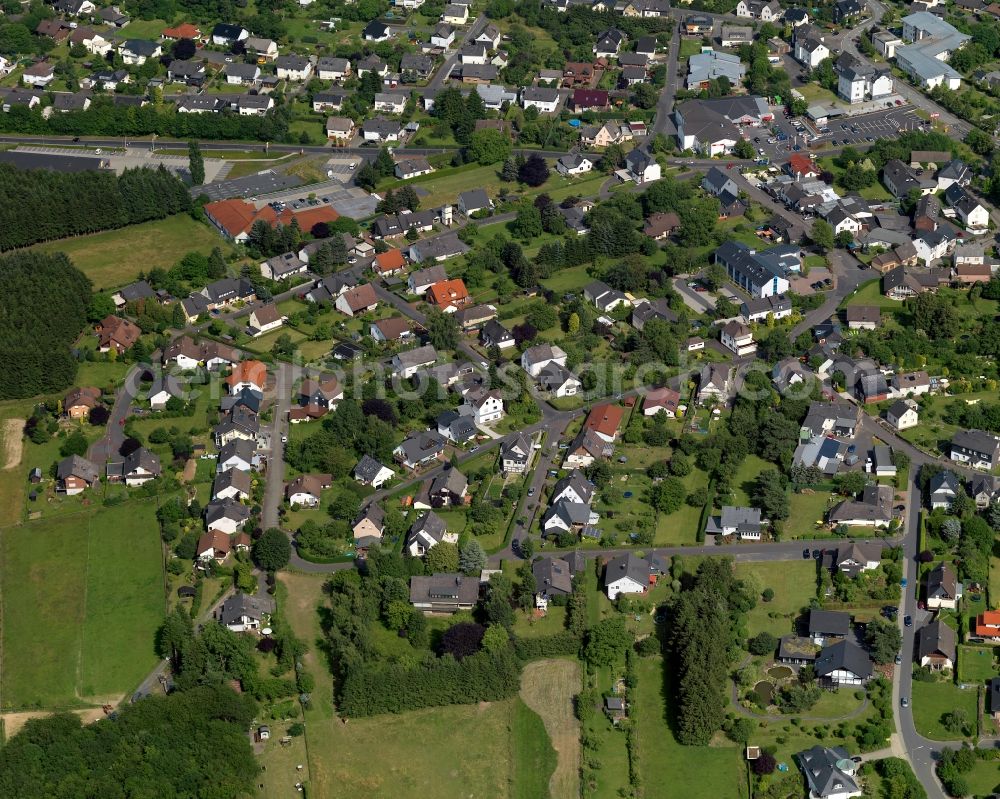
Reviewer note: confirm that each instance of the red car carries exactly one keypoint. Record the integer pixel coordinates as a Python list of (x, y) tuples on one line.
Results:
[(730, 166)]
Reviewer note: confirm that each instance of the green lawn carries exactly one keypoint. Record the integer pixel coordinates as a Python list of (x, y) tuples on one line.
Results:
[(115, 257), (743, 482), (793, 583), (679, 772), (82, 597), (534, 758), (932, 700), (689, 47), (804, 511), (975, 664), (681, 527), (984, 779), (870, 293), (528, 626)]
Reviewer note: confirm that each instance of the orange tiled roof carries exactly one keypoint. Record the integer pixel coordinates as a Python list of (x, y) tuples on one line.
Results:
[(183, 31), (605, 419), (447, 292), (390, 260), (248, 372)]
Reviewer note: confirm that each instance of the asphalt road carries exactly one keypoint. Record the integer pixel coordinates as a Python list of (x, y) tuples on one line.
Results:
[(663, 123), (275, 483), (107, 447)]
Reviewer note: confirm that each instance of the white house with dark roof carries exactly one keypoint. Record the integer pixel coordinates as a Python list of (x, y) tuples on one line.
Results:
[(626, 574), (975, 448)]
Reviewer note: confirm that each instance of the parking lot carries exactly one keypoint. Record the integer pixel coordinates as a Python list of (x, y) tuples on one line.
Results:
[(856, 131)]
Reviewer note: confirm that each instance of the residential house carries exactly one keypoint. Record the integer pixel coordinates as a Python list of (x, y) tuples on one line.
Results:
[(828, 626), (858, 557), (369, 525), (604, 298), (474, 201), (265, 49), (746, 523), (224, 34), (75, 474), (558, 381), (115, 333), (553, 577), (135, 52), (422, 279), (764, 10), (936, 646), (440, 248), (515, 454), (705, 67), (284, 266), (626, 574), (609, 43), (873, 509), (340, 130), (975, 448), (942, 489), (331, 68), (80, 401), (226, 515), (545, 100), (408, 363), (237, 454), (495, 334), (942, 588), (391, 330), (760, 274), (306, 489), (844, 663), (662, 400), (737, 337), (390, 102), (810, 47), (233, 484), (564, 516), (39, 75), (213, 545), (420, 448), (534, 359), (449, 487), (381, 129), (714, 384), (376, 31), (660, 225), (245, 613), (863, 317), (903, 414), (372, 473), (444, 593), (138, 468), (574, 164), (604, 421), (987, 626), (427, 532), (189, 72), (984, 490), (830, 772), (641, 167), (358, 300), (455, 15)]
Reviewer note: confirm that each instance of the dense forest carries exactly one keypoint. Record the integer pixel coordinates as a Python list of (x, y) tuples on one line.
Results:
[(43, 308), (39, 205), (187, 744)]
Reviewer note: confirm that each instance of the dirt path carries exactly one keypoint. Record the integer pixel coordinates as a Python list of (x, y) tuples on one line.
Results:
[(13, 722), (13, 442), (548, 688)]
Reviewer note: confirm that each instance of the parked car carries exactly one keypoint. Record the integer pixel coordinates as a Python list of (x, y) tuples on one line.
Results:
[(805, 554), (908, 621)]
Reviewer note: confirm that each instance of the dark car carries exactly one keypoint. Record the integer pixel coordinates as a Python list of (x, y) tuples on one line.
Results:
[(805, 554), (816, 554), (908, 621)]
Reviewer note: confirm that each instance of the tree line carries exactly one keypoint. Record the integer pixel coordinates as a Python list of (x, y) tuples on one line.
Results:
[(40, 205), (709, 619), (104, 118), (43, 309)]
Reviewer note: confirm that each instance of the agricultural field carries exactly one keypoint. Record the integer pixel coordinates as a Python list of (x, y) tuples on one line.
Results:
[(115, 257), (67, 576)]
